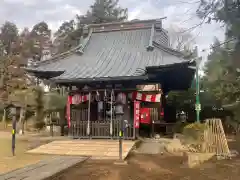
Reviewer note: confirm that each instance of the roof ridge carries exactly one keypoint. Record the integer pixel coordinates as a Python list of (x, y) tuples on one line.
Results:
[(86, 41), (121, 29), (168, 49), (125, 22), (150, 46)]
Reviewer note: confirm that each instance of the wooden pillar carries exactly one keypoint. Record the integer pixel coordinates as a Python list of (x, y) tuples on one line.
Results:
[(111, 123), (89, 113)]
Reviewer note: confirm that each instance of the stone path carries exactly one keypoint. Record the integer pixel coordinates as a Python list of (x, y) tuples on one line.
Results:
[(43, 169), (96, 149)]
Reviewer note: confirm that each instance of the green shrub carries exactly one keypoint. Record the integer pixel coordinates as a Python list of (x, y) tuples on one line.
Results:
[(179, 126), (39, 125), (194, 135), (194, 131)]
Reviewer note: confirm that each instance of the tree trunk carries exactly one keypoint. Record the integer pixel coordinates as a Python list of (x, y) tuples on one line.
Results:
[(4, 118), (238, 129), (51, 125), (22, 120)]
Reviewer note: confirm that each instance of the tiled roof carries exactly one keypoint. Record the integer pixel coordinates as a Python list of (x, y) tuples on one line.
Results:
[(114, 54)]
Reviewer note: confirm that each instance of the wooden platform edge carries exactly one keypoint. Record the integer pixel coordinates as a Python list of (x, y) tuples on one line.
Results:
[(56, 175), (26, 167), (5, 176)]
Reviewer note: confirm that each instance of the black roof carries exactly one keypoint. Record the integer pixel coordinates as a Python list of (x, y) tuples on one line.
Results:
[(115, 51)]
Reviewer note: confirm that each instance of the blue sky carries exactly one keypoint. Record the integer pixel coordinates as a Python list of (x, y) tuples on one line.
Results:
[(180, 13)]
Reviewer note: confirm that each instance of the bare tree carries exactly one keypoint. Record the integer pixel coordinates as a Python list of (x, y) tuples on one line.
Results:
[(180, 39)]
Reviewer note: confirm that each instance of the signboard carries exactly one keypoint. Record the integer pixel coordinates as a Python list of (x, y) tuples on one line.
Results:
[(136, 114), (149, 87)]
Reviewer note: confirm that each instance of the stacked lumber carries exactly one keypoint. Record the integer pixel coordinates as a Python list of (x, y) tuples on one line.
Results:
[(215, 140)]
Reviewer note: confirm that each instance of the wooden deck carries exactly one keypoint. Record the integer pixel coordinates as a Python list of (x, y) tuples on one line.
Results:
[(96, 149)]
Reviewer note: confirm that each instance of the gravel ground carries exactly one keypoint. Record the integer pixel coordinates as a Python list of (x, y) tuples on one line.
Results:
[(154, 167), (151, 165)]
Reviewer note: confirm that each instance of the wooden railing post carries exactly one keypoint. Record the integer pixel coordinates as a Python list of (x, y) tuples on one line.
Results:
[(14, 121), (89, 113), (111, 120)]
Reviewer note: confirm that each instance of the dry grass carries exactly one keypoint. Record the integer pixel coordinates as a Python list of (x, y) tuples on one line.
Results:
[(5, 127), (8, 162)]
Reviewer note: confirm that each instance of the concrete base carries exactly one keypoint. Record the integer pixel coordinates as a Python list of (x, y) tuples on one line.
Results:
[(121, 162), (195, 159), (56, 129), (175, 147)]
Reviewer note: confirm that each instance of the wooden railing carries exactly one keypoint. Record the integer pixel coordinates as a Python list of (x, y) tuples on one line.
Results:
[(101, 129), (98, 128)]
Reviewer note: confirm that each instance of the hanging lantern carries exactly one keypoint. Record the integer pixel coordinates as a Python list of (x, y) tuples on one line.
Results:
[(113, 96), (97, 97), (105, 96), (121, 98), (85, 97), (92, 98), (119, 109), (76, 99), (162, 112)]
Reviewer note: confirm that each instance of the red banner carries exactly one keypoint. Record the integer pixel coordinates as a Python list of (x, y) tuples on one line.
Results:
[(145, 116), (145, 97), (77, 98), (136, 114)]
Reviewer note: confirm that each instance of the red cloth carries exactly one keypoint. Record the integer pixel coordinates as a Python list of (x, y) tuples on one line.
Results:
[(145, 97), (145, 116)]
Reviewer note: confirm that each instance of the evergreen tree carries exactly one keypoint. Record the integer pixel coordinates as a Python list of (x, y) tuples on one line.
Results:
[(228, 13), (8, 37), (41, 38), (222, 80), (102, 11)]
